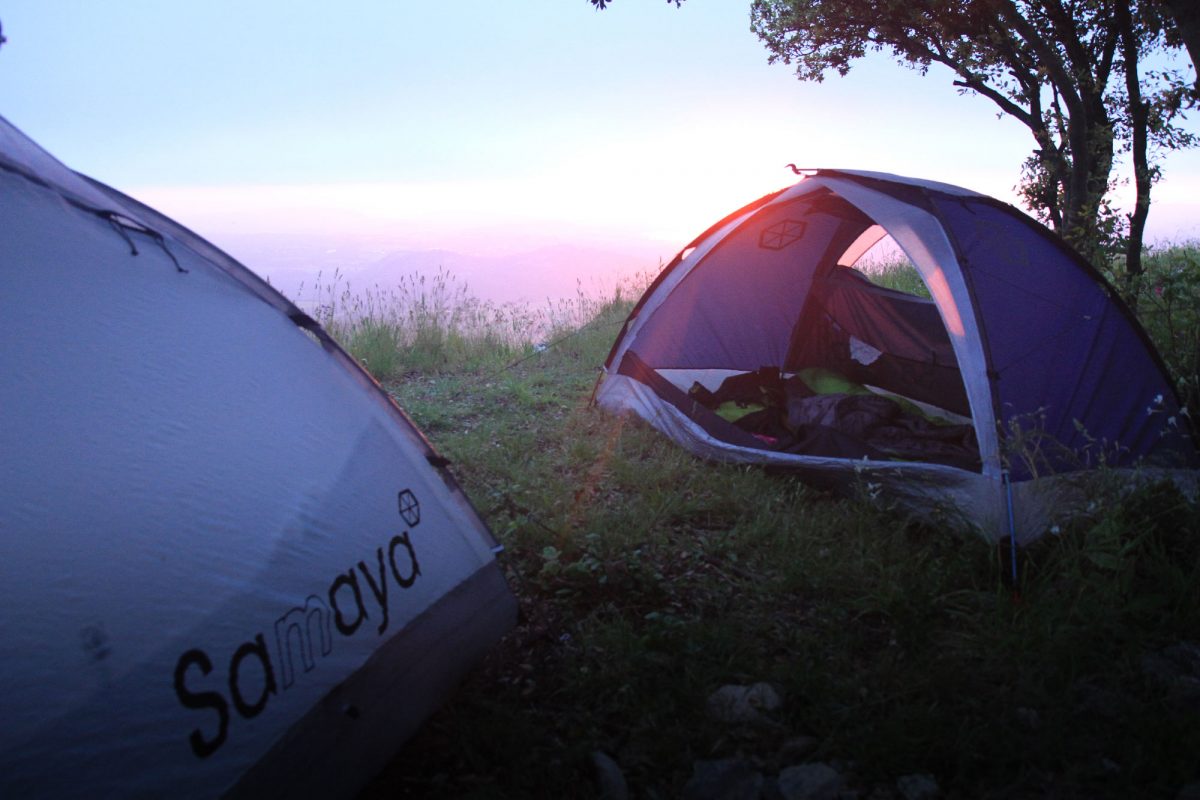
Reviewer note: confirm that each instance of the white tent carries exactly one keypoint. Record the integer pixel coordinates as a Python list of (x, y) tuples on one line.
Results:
[(231, 564)]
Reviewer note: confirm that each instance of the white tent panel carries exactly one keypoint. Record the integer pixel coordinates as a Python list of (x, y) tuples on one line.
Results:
[(923, 240), (209, 527)]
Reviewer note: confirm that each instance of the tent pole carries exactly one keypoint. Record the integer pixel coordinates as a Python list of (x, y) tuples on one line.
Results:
[(1012, 525)]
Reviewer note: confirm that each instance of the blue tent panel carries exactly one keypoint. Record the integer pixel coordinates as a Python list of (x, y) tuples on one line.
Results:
[(1065, 357), (754, 283)]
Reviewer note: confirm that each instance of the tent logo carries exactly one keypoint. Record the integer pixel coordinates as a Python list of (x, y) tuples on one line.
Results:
[(256, 670), (410, 508), (781, 234)]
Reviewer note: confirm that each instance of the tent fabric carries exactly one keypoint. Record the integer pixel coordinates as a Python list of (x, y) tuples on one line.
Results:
[(228, 552), (900, 208), (1021, 336), (1067, 358), (763, 284), (868, 332)]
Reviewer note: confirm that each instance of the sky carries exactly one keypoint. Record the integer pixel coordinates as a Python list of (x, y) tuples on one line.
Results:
[(476, 126)]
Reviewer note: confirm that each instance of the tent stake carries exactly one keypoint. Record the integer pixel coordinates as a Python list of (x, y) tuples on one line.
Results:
[(1012, 527)]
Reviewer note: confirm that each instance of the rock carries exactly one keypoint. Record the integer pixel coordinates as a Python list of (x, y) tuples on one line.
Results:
[(918, 786), (609, 778), (1189, 792), (797, 748), (744, 704), (1029, 718), (724, 779), (814, 781), (1092, 698), (1176, 669)]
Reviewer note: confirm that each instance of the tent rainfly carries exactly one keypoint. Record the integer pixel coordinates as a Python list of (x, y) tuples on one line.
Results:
[(233, 565), (992, 398)]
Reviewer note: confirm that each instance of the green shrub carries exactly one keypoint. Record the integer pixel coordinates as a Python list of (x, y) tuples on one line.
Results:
[(1166, 297)]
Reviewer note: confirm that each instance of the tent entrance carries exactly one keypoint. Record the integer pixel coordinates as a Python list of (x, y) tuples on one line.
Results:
[(774, 340), (877, 337), (817, 411), (869, 371)]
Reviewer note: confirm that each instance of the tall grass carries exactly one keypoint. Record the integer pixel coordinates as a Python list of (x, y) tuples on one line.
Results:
[(898, 274), (433, 323), (1166, 297)]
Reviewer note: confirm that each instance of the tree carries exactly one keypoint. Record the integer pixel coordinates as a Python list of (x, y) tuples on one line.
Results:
[(1069, 70)]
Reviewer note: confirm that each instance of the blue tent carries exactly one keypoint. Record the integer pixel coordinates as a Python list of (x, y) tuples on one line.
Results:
[(994, 397)]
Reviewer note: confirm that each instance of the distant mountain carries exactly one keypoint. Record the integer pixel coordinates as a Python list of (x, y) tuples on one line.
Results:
[(534, 277), (548, 273)]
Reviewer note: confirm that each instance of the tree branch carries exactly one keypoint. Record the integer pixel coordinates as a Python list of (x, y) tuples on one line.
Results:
[(1047, 55)]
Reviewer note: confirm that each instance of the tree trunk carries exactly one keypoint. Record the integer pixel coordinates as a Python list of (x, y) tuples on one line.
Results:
[(1139, 123), (1087, 182)]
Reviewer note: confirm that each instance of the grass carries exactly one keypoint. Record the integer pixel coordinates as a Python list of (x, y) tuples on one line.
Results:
[(900, 275), (428, 323), (647, 579), (1167, 299)]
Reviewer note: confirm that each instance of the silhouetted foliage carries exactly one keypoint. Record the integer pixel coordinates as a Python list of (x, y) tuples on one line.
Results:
[(1184, 29)]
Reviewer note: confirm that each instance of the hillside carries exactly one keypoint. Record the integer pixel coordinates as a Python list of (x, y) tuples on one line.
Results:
[(648, 580)]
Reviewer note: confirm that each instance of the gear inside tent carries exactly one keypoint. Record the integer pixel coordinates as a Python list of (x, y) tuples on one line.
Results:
[(992, 395), (232, 565)]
